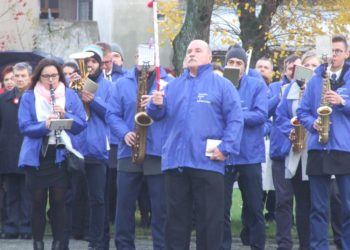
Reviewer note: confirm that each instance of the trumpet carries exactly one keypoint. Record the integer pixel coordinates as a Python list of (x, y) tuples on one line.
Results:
[(78, 84)]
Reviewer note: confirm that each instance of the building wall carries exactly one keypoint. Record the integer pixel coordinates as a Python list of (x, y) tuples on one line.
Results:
[(130, 23), (64, 38)]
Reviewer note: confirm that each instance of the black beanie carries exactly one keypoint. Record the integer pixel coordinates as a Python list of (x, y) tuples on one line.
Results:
[(236, 52)]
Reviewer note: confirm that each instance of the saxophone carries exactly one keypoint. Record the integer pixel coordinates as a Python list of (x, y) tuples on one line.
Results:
[(298, 144), (142, 120), (324, 110)]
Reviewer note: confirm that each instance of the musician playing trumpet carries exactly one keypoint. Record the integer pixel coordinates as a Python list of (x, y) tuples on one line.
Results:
[(331, 158)]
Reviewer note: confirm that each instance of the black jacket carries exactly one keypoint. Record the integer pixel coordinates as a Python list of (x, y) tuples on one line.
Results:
[(10, 137)]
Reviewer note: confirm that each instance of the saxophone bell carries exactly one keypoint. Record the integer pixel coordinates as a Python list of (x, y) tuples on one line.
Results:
[(324, 123), (298, 143), (143, 119)]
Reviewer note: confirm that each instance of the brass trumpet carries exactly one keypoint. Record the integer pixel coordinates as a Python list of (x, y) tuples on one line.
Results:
[(78, 85)]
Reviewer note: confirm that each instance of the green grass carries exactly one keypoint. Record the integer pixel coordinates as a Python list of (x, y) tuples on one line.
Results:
[(236, 209)]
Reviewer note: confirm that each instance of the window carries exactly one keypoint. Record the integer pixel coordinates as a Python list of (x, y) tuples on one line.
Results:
[(85, 10), (46, 5)]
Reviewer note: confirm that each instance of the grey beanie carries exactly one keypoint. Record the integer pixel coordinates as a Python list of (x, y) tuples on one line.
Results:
[(236, 52), (116, 48)]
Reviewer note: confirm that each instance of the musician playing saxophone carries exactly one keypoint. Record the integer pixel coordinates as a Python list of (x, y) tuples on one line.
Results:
[(127, 100), (333, 157), (296, 180)]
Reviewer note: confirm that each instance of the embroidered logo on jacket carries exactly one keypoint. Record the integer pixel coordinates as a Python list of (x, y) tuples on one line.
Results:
[(202, 98)]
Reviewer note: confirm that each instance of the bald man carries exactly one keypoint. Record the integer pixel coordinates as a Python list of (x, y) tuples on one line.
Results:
[(199, 106)]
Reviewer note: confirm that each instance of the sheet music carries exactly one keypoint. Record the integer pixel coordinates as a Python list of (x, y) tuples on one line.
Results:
[(146, 54)]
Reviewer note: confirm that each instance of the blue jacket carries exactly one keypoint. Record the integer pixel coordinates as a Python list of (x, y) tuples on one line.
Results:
[(253, 95), (117, 73), (93, 139), (196, 109), (121, 113), (34, 131), (339, 136), (282, 122), (277, 139)]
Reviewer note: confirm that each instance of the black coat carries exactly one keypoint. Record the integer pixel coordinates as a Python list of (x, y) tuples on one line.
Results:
[(10, 137)]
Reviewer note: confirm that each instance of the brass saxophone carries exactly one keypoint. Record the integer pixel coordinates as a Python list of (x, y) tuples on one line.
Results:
[(142, 120), (325, 110), (298, 144)]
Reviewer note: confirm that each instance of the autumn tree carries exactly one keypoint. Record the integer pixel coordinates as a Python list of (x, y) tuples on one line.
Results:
[(195, 26), (15, 19), (271, 28)]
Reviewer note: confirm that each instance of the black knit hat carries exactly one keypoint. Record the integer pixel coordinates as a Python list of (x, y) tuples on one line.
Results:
[(236, 52)]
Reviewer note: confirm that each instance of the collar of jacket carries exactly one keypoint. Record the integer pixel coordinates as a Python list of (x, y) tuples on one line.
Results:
[(11, 94), (201, 69)]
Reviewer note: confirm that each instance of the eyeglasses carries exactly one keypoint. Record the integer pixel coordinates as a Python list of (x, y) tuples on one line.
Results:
[(47, 76), (337, 52)]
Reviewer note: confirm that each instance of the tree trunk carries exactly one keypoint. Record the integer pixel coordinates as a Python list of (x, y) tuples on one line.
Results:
[(196, 26), (253, 29)]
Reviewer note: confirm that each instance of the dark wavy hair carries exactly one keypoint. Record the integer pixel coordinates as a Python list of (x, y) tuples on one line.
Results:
[(45, 63)]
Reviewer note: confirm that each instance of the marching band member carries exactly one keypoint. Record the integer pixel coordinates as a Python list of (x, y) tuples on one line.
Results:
[(277, 144), (296, 183), (198, 106), (126, 95), (39, 155), (253, 94), (94, 144), (328, 157)]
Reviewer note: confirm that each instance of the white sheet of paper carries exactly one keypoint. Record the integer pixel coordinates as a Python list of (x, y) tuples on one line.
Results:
[(90, 86), (324, 46), (211, 143), (302, 73), (146, 54), (60, 124)]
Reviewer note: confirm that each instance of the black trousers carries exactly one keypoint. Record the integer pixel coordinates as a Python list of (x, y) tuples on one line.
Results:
[(205, 189)]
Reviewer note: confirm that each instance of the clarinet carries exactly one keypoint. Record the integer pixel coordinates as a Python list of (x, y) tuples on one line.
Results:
[(59, 142)]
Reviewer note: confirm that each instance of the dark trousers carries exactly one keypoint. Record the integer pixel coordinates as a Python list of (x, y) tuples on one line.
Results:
[(336, 212), (18, 205), (285, 190), (72, 207), (319, 217), (96, 182), (129, 185), (250, 185), (205, 189), (2, 202), (112, 181)]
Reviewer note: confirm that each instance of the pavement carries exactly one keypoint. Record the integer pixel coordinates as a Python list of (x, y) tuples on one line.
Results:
[(142, 243)]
